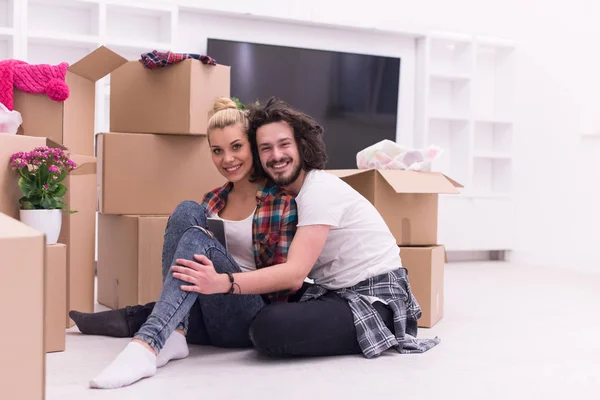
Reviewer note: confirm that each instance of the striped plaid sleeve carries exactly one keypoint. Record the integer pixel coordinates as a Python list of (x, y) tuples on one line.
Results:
[(288, 222)]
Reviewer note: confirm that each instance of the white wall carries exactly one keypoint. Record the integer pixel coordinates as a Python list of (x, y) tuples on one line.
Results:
[(557, 171)]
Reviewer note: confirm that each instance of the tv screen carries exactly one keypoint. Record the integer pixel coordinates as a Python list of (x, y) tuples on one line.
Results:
[(353, 96)]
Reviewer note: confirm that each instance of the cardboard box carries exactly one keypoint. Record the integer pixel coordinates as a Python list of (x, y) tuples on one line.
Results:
[(425, 267), (152, 174), (56, 297), (70, 123), (407, 200), (78, 232), (130, 259), (9, 188), (176, 99), (23, 367)]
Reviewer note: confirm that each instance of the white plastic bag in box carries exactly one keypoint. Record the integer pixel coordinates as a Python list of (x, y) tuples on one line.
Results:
[(9, 120), (390, 155)]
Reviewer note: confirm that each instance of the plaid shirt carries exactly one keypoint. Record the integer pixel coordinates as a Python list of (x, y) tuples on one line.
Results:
[(373, 335), (158, 59), (273, 226)]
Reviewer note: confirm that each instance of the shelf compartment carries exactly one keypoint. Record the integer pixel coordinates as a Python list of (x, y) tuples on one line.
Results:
[(54, 52), (126, 23), (449, 77), (449, 99), (6, 33), (492, 176), (492, 155), (494, 77), (450, 56), (6, 13), (68, 16), (453, 138), (6, 48), (63, 39), (493, 137)]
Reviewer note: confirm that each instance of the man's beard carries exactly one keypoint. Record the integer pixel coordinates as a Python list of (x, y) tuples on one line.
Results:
[(284, 180)]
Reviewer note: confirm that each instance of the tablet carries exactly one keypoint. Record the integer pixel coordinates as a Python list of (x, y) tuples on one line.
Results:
[(217, 227)]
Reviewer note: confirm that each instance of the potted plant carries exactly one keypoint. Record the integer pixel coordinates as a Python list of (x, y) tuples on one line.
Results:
[(41, 173)]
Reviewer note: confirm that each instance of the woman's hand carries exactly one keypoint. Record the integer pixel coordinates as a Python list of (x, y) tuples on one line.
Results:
[(200, 275)]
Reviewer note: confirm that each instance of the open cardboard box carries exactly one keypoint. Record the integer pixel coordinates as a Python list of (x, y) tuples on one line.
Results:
[(22, 257), (70, 123), (129, 259), (407, 200), (175, 99)]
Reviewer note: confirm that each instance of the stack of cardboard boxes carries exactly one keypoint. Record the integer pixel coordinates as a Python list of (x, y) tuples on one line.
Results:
[(155, 156), (47, 280), (408, 202)]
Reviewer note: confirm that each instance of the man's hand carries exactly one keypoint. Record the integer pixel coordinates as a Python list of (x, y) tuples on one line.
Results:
[(201, 276)]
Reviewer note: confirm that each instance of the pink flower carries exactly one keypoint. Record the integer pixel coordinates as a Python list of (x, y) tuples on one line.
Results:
[(46, 187)]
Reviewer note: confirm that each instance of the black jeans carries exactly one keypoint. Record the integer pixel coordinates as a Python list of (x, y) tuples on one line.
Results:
[(319, 327)]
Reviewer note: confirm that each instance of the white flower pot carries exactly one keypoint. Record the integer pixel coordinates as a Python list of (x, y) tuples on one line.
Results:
[(46, 221)]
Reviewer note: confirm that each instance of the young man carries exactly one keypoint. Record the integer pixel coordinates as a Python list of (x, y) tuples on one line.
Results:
[(361, 300)]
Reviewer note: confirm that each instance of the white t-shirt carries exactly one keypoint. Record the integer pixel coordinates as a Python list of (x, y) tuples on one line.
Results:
[(359, 244), (238, 235)]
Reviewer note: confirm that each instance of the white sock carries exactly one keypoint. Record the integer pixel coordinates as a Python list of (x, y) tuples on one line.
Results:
[(175, 348), (132, 364)]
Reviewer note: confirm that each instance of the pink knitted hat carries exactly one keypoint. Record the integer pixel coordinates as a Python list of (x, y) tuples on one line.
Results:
[(41, 78)]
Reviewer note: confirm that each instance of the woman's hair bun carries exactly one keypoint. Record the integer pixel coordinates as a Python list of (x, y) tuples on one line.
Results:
[(223, 103)]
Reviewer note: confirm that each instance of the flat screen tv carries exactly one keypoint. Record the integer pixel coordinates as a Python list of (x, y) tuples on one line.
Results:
[(353, 96)]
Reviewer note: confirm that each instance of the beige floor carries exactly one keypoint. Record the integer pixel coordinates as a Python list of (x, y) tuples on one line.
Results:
[(510, 332)]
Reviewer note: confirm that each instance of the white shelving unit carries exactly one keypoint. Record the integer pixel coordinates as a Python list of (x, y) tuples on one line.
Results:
[(464, 93), (466, 108), (77, 27)]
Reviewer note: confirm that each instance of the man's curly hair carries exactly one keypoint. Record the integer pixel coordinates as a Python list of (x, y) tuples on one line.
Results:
[(307, 132)]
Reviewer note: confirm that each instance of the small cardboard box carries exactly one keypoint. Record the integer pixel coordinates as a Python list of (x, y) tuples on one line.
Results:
[(9, 188), (130, 259), (407, 200), (176, 99), (70, 123), (425, 267), (151, 174), (78, 232), (56, 297), (23, 367)]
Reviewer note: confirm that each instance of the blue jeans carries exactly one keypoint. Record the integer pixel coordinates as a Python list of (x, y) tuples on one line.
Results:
[(218, 320)]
